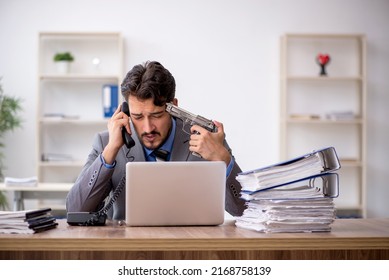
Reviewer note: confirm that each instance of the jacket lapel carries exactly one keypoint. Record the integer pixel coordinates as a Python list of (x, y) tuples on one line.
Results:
[(180, 150)]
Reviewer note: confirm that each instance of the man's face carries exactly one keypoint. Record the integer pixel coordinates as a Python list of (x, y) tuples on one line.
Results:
[(152, 123)]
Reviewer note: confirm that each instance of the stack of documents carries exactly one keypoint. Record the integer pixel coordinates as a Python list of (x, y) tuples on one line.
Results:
[(56, 157), (27, 222), (340, 115), (299, 209), (292, 196), (21, 182), (288, 216)]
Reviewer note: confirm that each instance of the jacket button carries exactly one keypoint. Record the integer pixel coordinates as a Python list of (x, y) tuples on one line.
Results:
[(233, 189)]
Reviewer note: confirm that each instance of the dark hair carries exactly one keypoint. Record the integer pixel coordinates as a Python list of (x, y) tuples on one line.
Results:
[(149, 80)]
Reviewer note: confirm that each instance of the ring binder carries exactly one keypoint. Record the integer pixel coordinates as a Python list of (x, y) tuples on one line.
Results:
[(110, 100), (318, 162), (309, 188)]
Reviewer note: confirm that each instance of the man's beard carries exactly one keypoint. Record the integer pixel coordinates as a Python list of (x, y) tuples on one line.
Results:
[(150, 144)]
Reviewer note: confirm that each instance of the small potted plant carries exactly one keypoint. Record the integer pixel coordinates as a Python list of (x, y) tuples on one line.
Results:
[(62, 61)]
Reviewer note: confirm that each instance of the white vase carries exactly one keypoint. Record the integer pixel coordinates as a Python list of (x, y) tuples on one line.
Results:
[(63, 67)]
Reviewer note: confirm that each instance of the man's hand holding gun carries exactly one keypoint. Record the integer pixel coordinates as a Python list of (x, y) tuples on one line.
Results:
[(207, 136)]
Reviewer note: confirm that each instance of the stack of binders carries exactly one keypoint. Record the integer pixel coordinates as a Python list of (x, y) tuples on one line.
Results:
[(27, 222), (291, 196)]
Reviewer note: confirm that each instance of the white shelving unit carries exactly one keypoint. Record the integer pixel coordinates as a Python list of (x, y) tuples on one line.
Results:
[(76, 95), (310, 107)]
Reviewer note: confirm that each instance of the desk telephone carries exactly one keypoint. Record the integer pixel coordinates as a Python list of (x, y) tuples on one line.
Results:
[(99, 218)]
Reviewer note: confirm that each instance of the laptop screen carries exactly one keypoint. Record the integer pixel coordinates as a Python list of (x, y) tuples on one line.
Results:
[(175, 193)]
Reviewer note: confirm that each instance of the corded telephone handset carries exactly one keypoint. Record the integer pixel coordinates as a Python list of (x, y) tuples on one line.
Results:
[(128, 141), (99, 218)]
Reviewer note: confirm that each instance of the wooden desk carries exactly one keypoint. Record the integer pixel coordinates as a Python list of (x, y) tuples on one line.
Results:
[(42, 191), (349, 239)]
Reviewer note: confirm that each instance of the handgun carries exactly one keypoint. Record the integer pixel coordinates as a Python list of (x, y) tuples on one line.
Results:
[(191, 119)]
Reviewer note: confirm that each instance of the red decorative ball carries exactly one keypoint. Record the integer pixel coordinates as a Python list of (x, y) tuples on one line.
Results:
[(323, 59)]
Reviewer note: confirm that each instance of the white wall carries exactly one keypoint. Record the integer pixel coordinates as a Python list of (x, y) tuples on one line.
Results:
[(224, 55)]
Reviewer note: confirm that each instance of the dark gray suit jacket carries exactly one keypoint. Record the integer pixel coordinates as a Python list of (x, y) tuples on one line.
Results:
[(96, 182)]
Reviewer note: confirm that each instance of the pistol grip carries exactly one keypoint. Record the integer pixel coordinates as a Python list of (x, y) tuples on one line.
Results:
[(196, 154)]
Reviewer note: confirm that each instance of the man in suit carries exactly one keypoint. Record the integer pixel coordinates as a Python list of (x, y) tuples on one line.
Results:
[(147, 88)]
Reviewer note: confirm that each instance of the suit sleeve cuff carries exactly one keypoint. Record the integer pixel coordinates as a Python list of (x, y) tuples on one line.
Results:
[(230, 166), (109, 166)]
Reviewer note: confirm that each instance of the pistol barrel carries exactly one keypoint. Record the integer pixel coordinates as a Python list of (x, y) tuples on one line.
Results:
[(189, 118)]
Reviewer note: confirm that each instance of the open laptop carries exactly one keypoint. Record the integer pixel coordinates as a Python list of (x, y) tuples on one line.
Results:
[(175, 193)]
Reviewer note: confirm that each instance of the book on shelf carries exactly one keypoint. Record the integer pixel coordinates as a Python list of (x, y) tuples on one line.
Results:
[(292, 196), (27, 221), (305, 117), (311, 164)]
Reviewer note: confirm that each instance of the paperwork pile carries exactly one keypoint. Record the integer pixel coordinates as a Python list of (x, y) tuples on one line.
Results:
[(288, 214), (21, 182), (27, 222), (292, 196)]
